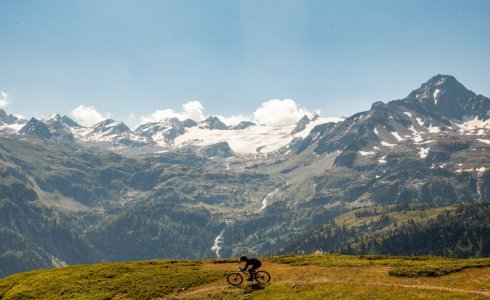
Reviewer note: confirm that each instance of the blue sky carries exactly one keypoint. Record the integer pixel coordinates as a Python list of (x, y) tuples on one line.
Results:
[(137, 57)]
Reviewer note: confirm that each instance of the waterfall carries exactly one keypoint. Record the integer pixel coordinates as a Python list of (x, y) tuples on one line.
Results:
[(218, 241)]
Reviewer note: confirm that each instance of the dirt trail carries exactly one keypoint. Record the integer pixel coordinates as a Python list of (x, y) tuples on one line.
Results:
[(409, 286), (222, 284)]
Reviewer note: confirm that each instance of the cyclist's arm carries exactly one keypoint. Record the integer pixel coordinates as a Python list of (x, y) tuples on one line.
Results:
[(246, 266)]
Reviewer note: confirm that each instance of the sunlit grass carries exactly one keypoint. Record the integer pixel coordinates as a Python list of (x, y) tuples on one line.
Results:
[(138, 280), (314, 276)]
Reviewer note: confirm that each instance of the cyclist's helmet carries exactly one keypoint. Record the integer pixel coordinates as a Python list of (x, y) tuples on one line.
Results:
[(243, 258)]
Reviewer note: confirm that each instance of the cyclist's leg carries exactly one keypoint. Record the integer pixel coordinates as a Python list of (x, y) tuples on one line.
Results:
[(251, 271)]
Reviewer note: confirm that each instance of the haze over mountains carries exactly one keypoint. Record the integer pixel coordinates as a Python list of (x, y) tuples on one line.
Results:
[(185, 189)]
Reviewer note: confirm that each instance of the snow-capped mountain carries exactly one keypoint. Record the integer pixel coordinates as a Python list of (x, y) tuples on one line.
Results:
[(112, 132), (10, 124), (421, 154), (36, 128), (441, 111), (213, 123), (244, 138), (163, 132), (440, 107), (253, 139), (61, 128)]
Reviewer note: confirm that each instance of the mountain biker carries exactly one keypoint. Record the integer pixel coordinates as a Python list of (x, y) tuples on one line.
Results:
[(254, 262)]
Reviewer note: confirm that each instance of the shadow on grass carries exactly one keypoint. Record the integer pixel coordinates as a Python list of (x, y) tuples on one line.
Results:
[(253, 287)]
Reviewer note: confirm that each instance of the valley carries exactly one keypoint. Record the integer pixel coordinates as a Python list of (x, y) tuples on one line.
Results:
[(407, 177)]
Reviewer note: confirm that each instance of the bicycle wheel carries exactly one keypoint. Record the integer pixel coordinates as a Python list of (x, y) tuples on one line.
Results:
[(234, 279), (262, 277)]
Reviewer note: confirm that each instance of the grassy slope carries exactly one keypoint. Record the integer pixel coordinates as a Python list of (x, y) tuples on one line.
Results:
[(293, 277)]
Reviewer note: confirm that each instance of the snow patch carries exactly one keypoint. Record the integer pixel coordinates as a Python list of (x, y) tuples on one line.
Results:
[(481, 170), (387, 144), (484, 141), (469, 125), (408, 114), (436, 94), (382, 160), (423, 152), (397, 136), (419, 121), (267, 199), (418, 139), (434, 129), (364, 153)]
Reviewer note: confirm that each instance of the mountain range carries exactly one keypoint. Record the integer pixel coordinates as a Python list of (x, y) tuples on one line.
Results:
[(414, 169)]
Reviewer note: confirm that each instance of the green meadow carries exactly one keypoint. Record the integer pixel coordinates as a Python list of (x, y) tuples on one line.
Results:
[(314, 276)]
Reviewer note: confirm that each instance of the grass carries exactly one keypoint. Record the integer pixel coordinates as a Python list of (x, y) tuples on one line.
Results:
[(350, 220), (402, 266), (315, 276), (138, 280)]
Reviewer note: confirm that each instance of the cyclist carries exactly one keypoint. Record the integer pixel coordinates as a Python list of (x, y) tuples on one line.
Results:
[(254, 262)]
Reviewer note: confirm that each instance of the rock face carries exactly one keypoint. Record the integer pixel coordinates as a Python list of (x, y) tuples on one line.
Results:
[(213, 123), (444, 97), (164, 131), (189, 123), (441, 105), (36, 128), (217, 150), (301, 125), (7, 119), (243, 125), (60, 128)]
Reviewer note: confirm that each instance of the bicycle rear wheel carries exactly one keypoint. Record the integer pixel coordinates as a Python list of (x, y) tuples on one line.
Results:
[(234, 279), (262, 277)]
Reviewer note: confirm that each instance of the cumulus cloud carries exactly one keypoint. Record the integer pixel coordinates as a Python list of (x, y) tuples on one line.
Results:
[(194, 110), (234, 120), (87, 115), (277, 112), (273, 112), (191, 110), (4, 99)]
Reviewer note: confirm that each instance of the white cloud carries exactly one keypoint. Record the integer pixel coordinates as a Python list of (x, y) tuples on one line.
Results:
[(131, 121), (4, 99), (277, 112), (191, 110), (234, 120), (87, 115), (273, 112), (194, 110), (19, 116)]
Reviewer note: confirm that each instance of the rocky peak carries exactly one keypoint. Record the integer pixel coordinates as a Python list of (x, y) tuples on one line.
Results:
[(301, 125), (68, 121), (189, 123), (243, 125), (213, 123), (112, 126), (7, 119), (36, 128), (60, 121), (445, 96), (166, 129)]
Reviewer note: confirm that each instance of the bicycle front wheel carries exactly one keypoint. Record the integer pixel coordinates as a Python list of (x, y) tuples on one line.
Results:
[(234, 279), (262, 277)]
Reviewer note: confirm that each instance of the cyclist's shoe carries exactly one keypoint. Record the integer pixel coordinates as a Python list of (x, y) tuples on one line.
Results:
[(250, 279)]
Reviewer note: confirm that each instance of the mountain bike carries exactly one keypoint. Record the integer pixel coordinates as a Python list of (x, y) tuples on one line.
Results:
[(236, 278)]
